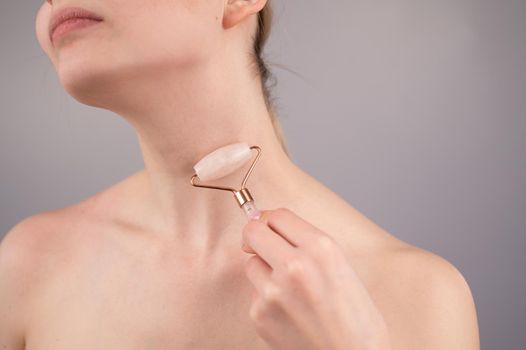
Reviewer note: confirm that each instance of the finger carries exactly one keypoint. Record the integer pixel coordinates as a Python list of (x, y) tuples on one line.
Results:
[(293, 228), (258, 272), (269, 245), (245, 247)]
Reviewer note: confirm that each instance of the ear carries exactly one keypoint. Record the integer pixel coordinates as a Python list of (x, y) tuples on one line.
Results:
[(237, 10)]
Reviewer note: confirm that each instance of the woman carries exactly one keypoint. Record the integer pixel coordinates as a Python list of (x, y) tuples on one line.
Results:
[(155, 263)]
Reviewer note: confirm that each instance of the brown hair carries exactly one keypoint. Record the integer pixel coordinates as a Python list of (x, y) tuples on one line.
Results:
[(262, 33)]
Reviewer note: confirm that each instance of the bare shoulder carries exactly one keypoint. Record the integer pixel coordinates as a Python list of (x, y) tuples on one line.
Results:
[(42, 235), (45, 234), (22, 252), (34, 242), (33, 235), (426, 300), (36, 248), (50, 234)]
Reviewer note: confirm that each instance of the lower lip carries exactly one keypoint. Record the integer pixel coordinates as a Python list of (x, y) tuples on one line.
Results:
[(71, 25)]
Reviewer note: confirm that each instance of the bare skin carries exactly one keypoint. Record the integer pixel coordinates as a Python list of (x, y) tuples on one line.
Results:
[(90, 278), (154, 263)]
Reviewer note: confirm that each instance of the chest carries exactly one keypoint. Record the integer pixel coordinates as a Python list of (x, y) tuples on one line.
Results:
[(141, 307)]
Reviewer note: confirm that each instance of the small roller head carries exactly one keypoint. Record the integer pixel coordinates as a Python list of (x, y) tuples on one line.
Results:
[(223, 161)]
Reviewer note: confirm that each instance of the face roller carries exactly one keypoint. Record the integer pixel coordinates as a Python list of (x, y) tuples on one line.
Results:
[(224, 161)]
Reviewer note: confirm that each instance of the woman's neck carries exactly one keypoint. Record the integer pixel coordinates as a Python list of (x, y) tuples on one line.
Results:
[(183, 117)]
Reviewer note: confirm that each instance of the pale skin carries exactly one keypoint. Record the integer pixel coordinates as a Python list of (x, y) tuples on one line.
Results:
[(154, 263)]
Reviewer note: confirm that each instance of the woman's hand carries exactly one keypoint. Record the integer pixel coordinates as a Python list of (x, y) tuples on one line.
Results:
[(307, 295)]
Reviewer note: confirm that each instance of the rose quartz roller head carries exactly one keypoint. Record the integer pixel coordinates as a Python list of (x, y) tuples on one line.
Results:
[(224, 161)]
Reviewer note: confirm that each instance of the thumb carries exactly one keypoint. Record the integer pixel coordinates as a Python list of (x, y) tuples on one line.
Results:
[(261, 217)]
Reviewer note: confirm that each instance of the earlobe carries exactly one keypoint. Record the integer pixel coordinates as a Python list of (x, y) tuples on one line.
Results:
[(237, 10)]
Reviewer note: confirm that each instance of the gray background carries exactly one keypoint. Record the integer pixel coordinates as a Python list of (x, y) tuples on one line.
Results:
[(413, 111)]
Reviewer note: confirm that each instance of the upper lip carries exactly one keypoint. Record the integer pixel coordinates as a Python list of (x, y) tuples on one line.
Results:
[(67, 13)]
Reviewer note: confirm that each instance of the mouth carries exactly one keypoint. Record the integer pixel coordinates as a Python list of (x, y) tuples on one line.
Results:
[(71, 18)]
